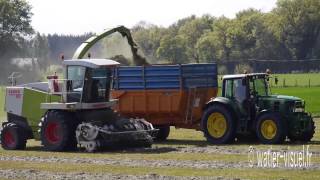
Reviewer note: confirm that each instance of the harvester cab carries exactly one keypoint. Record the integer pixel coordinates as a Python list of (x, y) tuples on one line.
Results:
[(65, 113), (87, 85), (247, 110)]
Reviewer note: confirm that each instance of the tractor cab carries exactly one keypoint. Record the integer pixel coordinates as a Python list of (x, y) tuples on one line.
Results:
[(87, 84), (244, 90)]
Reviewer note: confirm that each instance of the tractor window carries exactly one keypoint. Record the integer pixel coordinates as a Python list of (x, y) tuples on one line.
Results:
[(228, 89), (260, 86), (98, 85), (240, 90), (75, 76), (234, 89)]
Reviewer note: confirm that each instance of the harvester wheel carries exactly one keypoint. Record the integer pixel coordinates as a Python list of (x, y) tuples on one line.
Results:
[(163, 133), (306, 136), (218, 125), (13, 137), (271, 129), (57, 131)]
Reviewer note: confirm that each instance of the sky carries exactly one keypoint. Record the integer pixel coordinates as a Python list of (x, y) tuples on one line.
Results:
[(81, 16)]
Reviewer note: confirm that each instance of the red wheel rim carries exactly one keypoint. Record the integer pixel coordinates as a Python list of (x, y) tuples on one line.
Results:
[(52, 132), (9, 139)]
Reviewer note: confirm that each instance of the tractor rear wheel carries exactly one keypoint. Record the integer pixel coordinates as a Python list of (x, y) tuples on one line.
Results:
[(271, 129), (13, 137), (57, 131), (218, 125), (163, 133)]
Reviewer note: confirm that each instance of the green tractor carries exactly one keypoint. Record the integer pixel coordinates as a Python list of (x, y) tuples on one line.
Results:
[(65, 113), (247, 111)]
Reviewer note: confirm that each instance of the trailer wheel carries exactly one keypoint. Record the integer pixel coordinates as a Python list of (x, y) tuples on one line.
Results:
[(271, 129), (163, 133), (57, 131), (13, 137), (218, 125), (306, 136)]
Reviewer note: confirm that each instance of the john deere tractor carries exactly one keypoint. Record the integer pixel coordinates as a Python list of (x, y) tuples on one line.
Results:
[(247, 110), (65, 113)]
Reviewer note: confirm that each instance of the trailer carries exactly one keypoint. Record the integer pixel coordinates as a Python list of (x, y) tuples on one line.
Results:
[(165, 95)]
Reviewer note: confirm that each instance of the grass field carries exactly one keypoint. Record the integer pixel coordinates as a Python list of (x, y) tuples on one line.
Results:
[(297, 79)]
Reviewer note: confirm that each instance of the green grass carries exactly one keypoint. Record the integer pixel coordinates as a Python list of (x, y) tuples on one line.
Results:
[(297, 79)]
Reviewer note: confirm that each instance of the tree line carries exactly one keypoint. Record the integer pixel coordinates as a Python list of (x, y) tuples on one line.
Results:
[(290, 31)]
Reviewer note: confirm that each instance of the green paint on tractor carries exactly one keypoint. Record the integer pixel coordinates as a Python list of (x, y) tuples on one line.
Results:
[(31, 110)]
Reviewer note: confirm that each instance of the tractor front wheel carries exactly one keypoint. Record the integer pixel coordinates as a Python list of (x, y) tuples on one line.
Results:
[(305, 136), (57, 131), (270, 129), (13, 137), (218, 125)]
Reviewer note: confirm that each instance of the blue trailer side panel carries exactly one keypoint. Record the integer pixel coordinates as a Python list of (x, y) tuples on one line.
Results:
[(165, 76)]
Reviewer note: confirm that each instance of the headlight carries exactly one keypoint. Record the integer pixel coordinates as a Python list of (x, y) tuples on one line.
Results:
[(299, 109)]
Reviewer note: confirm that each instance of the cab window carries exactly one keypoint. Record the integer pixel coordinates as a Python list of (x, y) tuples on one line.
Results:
[(235, 89), (97, 85)]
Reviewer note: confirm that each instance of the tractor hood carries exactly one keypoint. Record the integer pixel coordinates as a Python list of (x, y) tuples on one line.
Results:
[(284, 97), (280, 98)]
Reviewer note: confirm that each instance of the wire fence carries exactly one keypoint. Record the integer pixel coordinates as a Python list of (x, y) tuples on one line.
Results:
[(284, 82)]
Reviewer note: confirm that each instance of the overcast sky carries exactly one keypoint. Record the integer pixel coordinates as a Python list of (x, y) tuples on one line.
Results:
[(80, 16)]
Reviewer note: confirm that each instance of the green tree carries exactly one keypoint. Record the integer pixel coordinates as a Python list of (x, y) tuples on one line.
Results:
[(299, 27), (206, 48), (15, 18), (148, 38), (192, 30), (173, 49), (223, 37), (252, 39)]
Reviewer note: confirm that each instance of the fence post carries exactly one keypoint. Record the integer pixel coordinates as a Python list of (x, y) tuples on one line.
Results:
[(309, 83), (284, 82), (296, 83)]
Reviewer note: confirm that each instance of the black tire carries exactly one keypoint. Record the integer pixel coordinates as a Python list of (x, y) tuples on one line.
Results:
[(163, 133), (277, 135), (57, 131), (229, 132), (142, 139), (13, 137), (306, 136)]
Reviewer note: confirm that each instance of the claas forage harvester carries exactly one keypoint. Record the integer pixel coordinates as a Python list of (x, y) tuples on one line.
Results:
[(65, 113)]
